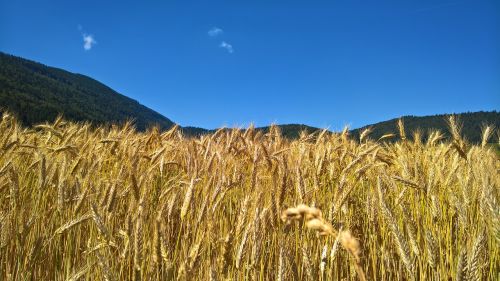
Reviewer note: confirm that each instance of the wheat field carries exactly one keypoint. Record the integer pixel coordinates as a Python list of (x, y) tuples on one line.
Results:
[(79, 202)]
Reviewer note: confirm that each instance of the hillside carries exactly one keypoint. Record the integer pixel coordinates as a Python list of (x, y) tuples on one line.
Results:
[(38, 93), (471, 127), (289, 131), (472, 123)]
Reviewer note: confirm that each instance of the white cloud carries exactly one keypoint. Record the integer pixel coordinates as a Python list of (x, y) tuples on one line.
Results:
[(215, 31), (88, 41), (227, 46)]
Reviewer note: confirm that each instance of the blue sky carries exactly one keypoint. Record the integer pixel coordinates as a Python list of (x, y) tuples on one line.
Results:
[(321, 63)]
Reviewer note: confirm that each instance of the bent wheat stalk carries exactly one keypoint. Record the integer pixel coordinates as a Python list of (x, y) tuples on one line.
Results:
[(314, 221)]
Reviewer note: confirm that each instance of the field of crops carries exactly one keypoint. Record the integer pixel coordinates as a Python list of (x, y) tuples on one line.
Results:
[(84, 203)]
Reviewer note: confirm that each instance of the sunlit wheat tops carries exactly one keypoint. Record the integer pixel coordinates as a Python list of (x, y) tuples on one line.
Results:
[(79, 202)]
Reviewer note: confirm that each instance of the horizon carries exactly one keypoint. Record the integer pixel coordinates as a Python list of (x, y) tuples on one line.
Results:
[(395, 118), (386, 60)]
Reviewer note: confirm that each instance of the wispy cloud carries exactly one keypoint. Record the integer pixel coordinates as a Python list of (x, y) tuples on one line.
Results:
[(227, 46), (88, 41), (214, 31)]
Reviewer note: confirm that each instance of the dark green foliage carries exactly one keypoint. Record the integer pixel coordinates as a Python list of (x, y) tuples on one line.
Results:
[(292, 131), (472, 124), (195, 131), (37, 93), (288, 131)]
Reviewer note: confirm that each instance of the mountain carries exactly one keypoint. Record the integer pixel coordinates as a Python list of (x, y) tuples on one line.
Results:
[(38, 93), (292, 131), (472, 123), (289, 131)]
